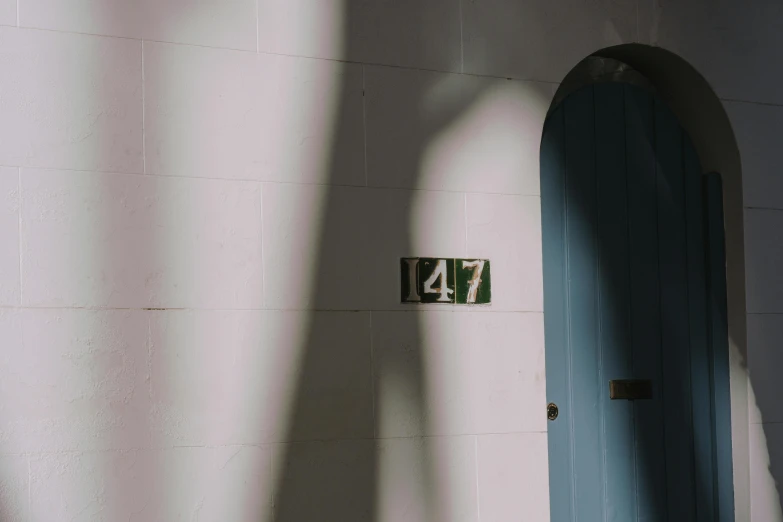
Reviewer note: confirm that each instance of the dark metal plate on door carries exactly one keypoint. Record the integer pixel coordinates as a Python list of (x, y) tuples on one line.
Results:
[(630, 389)]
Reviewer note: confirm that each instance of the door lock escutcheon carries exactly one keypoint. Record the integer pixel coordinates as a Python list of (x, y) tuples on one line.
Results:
[(551, 411)]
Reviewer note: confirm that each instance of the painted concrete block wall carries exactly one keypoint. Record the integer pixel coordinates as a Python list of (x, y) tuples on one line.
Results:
[(756, 126), (203, 206)]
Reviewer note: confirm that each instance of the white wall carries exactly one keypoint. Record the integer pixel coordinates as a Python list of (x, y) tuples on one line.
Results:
[(203, 211)]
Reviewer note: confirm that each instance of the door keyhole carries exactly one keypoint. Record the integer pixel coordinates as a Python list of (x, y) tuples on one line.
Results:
[(552, 411)]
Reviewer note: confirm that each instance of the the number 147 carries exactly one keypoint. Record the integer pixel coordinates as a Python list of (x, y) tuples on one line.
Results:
[(434, 280)]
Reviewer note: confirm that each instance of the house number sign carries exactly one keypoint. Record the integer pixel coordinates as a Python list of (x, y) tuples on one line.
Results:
[(435, 280)]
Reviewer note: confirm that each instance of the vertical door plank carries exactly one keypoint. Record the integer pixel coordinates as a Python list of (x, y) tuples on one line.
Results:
[(582, 270), (614, 300), (719, 348), (700, 364), (558, 375), (678, 431), (644, 302)]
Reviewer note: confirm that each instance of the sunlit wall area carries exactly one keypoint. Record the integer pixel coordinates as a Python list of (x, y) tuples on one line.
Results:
[(203, 206)]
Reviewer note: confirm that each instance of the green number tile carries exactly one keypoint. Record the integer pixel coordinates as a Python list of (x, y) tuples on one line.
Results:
[(436, 280), (473, 281), (409, 270)]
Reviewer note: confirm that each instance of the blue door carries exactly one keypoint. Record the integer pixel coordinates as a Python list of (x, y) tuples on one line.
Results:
[(630, 313)]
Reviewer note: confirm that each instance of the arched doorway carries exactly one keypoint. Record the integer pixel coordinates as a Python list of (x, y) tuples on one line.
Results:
[(634, 283)]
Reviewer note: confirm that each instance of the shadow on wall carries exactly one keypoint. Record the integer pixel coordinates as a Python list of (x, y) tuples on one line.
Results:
[(337, 468), (330, 469)]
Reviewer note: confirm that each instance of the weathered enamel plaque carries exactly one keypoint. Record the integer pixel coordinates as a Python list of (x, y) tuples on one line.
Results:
[(437, 280)]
